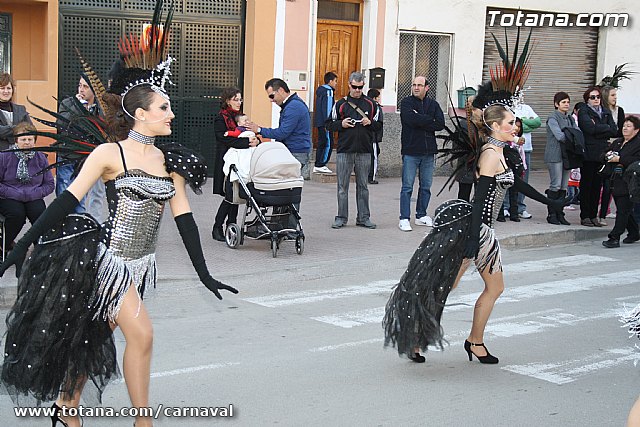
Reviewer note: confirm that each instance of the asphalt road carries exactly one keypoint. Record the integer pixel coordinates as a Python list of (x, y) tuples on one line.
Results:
[(303, 346)]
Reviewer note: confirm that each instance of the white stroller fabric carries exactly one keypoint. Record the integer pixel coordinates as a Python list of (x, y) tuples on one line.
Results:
[(242, 159), (273, 167)]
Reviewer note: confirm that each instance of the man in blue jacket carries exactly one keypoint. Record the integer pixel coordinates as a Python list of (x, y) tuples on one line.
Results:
[(421, 117), (324, 104), (294, 127)]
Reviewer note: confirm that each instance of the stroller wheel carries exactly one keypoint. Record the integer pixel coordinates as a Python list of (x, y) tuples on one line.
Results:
[(300, 245), (274, 247), (233, 236)]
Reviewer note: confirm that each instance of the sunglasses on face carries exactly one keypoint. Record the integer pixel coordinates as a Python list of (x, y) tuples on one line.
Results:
[(272, 95), (592, 97), (354, 87)]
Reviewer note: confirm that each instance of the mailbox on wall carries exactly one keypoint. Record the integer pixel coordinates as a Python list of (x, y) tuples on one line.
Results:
[(376, 78)]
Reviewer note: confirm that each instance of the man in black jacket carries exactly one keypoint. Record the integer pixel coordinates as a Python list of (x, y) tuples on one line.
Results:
[(421, 117), (355, 119)]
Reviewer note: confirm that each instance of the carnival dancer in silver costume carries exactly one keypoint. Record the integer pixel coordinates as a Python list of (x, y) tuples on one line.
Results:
[(463, 231), (84, 279)]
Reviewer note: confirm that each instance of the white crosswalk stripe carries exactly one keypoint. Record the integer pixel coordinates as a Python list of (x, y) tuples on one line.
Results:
[(510, 295), (385, 286)]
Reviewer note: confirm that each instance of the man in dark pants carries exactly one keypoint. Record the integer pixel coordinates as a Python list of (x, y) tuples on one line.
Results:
[(354, 118), (324, 103)]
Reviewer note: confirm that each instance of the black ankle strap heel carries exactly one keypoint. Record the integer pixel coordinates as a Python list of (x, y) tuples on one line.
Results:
[(489, 359)]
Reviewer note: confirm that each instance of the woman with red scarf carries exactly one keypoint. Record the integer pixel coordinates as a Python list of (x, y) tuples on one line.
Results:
[(230, 107)]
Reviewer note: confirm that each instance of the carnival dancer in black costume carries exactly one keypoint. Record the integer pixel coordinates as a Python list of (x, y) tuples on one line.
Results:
[(464, 231), (83, 280)]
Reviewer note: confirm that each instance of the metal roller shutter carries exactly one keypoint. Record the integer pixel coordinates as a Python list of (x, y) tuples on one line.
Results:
[(563, 59)]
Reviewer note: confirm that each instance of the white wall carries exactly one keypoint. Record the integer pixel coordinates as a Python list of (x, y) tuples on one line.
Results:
[(465, 20)]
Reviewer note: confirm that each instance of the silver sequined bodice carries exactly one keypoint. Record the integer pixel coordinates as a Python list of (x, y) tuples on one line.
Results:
[(136, 203), (493, 203)]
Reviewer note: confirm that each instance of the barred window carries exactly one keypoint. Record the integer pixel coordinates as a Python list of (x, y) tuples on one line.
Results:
[(427, 55), (5, 42)]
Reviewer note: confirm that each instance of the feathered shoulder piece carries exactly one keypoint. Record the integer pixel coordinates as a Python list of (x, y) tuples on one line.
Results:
[(460, 147), (143, 57), (185, 162), (507, 77)]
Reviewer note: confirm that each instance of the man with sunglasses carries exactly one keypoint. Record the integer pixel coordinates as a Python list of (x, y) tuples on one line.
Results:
[(355, 118), (421, 117), (294, 126)]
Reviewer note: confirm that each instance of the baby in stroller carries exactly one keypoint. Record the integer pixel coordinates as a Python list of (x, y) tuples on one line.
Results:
[(270, 189)]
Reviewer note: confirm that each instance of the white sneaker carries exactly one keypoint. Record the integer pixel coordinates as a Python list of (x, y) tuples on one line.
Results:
[(506, 213), (611, 215), (322, 169), (425, 220), (404, 225), (569, 208), (526, 215)]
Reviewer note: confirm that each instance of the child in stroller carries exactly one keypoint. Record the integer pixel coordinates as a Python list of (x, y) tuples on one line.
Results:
[(270, 191)]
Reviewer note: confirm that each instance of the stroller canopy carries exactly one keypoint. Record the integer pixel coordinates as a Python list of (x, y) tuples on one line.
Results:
[(273, 167)]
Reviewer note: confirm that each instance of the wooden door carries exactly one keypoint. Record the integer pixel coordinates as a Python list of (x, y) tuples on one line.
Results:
[(337, 50)]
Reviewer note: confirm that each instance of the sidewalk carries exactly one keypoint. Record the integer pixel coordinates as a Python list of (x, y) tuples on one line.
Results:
[(324, 245)]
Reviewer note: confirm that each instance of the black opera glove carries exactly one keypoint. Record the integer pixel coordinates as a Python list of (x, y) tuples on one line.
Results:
[(62, 206), (555, 204), (191, 238), (483, 187)]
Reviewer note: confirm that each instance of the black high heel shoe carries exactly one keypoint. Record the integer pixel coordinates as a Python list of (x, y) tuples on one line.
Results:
[(489, 359), (56, 417), (417, 357)]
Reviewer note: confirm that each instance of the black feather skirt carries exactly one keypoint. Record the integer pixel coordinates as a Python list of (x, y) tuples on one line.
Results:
[(52, 343), (413, 312)]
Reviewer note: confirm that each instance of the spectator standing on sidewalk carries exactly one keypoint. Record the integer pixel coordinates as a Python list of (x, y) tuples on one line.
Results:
[(421, 117), (610, 102), (597, 126), (95, 201), (294, 126), (325, 98), (355, 119), (530, 122), (11, 114), (374, 94)]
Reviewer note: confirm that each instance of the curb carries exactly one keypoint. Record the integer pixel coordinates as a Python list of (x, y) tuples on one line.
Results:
[(536, 240)]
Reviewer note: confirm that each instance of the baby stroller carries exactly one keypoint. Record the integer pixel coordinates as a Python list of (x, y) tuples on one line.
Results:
[(273, 187)]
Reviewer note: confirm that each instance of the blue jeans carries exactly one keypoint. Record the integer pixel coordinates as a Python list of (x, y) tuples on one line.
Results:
[(63, 179), (303, 158), (423, 166)]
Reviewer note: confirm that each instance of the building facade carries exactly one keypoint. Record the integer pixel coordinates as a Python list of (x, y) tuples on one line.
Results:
[(246, 42)]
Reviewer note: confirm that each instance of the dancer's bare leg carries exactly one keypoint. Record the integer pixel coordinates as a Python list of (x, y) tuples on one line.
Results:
[(463, 268), (71, 401), (493, 287), (634, 415), (138, 333)]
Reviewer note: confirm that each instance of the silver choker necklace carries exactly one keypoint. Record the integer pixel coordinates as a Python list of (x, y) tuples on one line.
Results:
[(143, 139), (497, 142)]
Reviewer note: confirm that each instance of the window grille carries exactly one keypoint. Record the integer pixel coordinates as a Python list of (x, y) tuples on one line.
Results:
[(5, 42), (428, 55)]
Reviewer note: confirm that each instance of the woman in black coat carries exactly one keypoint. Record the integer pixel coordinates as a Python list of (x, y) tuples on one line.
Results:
[(10, 113), (225, 121), (624, 151), (597, 126)]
